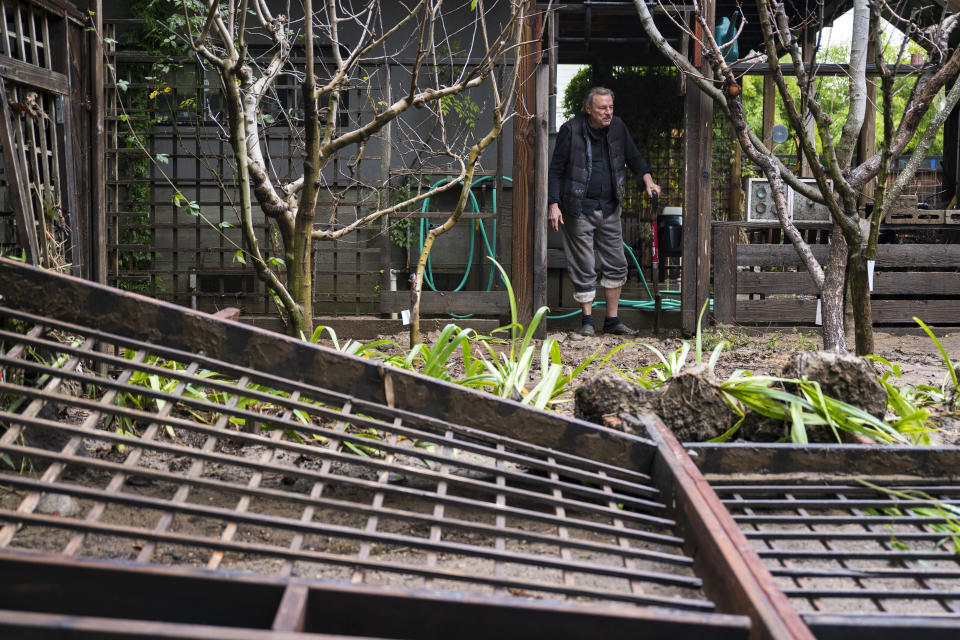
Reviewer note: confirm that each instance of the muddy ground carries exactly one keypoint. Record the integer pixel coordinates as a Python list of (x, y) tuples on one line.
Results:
[(761, 352)]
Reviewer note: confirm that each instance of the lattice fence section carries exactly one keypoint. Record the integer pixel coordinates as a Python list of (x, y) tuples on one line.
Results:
[(159, 245), (38, 202), (125, 450)]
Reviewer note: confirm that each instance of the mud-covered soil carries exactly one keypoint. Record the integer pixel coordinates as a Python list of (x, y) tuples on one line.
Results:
[(761, 352)]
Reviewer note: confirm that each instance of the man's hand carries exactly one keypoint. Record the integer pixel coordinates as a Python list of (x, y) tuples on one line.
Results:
[(555, 217), (652, 187)]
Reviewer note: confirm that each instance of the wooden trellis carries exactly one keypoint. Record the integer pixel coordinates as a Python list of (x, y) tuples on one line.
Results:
[(36, 130)]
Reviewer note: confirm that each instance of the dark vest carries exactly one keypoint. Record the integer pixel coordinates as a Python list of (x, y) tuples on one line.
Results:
[(580, 162)]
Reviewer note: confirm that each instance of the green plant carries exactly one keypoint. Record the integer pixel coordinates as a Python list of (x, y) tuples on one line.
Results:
[(951, 368), (351, 347), (919, 503), (673, 362), (509, 371), (809, 407)]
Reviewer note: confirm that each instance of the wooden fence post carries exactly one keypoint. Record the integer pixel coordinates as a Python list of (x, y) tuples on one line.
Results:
[(725, 274)]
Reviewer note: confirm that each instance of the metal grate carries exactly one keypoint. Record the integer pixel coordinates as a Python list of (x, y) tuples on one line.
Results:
[(183, 459), (151, 450), (859, 538), (842, 547)]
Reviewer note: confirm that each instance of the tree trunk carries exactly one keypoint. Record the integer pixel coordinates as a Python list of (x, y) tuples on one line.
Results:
[(831, 296), (860, 299)]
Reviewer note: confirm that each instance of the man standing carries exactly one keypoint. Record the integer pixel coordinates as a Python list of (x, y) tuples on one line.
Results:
[(588, 176)]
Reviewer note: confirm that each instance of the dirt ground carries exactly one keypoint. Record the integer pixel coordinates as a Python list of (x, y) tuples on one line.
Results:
[(762, 352)]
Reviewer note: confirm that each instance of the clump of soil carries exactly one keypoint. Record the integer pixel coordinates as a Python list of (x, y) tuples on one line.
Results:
[(693, 406), (841, 376), (690, 403)]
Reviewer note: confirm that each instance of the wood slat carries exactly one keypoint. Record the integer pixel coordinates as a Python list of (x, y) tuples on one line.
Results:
[(923, 283), (888, 255), (786, 311), (26, 225), (459, 302)]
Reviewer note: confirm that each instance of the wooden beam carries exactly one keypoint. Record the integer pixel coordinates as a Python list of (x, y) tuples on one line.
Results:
[(386, 159), (292, 612), (698, 165), (734, 576), (769, 110), (98, 167), (541, 164), (460, 302), (36, 77), (68, 168), (524, 139)]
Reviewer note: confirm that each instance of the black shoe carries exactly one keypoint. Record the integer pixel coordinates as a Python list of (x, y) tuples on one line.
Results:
[(620, 329), (587, 330)]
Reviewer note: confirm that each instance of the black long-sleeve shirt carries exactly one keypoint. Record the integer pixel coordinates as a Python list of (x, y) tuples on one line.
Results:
[(600, 191)]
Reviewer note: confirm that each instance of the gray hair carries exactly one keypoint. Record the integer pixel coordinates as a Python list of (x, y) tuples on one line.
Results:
[(594, 92)]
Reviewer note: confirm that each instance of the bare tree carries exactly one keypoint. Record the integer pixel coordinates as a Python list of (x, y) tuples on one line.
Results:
[(839, 184), (358, 38)]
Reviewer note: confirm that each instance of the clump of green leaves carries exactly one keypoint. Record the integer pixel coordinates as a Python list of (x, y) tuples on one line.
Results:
[(919, 503), (509, 371)]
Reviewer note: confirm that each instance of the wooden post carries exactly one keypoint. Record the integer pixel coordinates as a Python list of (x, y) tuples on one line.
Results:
[(67, 166), (541, 163), (386, 159), (698, 161), (725, 274), (98, 179), (524, 139), (769, 109)]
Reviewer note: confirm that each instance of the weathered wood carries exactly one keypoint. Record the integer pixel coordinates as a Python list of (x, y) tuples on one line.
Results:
[(769, 109), (68, 167), (930, 311), (541, 163), (913, 215), (139, 318), (884, 283), (734, 576), (776, 282), (34, 76), (777, 311), (725, 274), (76, 111), (775, 255), (698, 161), (386, 154), (888, 255), (292, 612), (923, 283), (791, 311), (524, 138), (556, 259), (459, 302), (16, 191), (736, 184), (98, 177)]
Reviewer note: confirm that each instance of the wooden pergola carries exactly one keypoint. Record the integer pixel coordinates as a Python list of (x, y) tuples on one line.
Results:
[(597, 32)]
